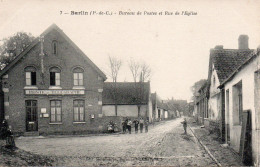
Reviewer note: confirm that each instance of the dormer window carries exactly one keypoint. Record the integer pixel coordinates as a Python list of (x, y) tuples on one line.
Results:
[(30, 76), (54, 47), (55, 76)]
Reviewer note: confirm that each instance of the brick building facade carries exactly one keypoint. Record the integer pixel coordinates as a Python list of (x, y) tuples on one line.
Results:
[(53, 87)]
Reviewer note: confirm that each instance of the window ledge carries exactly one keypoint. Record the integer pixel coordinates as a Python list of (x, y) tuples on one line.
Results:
[(55, 123), (78, 87), (237, 125), (79, 122), (30, 87), (55, 87)]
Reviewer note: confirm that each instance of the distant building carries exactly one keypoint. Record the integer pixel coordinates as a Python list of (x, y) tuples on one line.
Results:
[(133, 100), (162, 109), (201, 104)]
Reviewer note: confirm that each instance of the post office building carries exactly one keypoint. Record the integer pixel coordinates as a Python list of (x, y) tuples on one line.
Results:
[(52, 87)]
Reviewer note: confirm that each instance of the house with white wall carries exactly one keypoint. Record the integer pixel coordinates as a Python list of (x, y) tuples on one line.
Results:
[(162, 109), (242, 94), (222, 63)]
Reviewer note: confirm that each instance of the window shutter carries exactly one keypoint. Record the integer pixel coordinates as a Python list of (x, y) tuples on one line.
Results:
[(33, 76), (52, 78)]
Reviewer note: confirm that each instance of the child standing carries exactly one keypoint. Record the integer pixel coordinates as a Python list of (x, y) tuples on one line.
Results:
[(185, 125), (146, 126)]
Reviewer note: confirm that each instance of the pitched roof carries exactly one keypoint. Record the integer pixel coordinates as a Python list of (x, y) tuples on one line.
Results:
[(127, 93), (36, 41), (226, 61), (252, 56)]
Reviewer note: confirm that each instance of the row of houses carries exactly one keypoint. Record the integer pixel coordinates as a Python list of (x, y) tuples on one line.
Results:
[(229, 101), (53, 87), (135, 100), (163, 109)]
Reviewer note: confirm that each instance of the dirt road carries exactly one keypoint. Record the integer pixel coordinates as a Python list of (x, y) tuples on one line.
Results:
[(164, 145)]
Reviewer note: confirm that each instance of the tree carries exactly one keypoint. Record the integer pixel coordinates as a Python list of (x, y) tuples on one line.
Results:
[(196, 86), (115, 65), (145, 75), (134, 68), (145, 72), (12, 46)]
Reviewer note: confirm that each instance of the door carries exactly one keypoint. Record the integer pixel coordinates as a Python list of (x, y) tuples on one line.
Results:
[(227, 118), (31, 115), (246, 139)]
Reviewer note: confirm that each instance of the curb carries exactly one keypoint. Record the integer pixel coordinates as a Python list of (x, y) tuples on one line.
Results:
[(205, 148)]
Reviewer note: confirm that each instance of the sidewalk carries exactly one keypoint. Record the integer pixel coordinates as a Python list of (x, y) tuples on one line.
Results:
[(151, 126), (225, 156)]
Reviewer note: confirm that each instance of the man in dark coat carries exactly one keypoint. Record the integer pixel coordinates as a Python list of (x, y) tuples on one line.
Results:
[(136, 122), (146, 126), (124, 124), (141, 125), (129, 125)]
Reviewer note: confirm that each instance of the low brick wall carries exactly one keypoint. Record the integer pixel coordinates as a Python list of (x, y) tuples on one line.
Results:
[(97, 125)]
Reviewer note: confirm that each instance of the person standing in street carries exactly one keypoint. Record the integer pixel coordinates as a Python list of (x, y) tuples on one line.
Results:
[(141, 124), (129, 126), (146, 125), (185, 125), (124, 126), (136, 122)]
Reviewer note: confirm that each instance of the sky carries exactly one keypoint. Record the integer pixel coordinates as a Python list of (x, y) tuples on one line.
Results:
[(176, 47)]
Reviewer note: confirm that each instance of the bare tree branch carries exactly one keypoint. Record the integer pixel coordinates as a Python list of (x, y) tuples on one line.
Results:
[(114, 64), (135, 69), (145, 72)]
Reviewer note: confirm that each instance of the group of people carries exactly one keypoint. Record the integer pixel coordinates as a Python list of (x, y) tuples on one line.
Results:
[(7, 134), (112, 127), (127, 125)]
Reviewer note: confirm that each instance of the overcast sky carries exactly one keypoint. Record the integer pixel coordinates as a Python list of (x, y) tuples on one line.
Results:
[(176, 47)]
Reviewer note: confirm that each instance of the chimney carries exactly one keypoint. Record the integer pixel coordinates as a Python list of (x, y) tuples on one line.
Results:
[(243, 42), (219, 47)]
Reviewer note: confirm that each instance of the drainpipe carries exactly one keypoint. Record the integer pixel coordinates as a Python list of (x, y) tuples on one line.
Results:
[(42, 56)]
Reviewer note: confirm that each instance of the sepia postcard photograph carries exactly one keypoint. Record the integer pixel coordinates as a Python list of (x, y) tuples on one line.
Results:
[(130, 83)]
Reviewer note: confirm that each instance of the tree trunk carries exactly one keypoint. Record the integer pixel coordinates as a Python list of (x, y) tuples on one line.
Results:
[(116, 109), (139, 107)]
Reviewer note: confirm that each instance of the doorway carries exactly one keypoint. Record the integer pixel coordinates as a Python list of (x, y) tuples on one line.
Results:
[(31, 115)]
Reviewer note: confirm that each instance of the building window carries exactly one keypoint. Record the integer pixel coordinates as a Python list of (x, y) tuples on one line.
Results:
[(54, 47), (206, 114), (55, 76), (78, 76), (78, 109), (214, 80), (30, 76), (237, 103), (55, 111)]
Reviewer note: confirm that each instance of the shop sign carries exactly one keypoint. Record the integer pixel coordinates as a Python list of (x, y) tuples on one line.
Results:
[(54, 92)]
